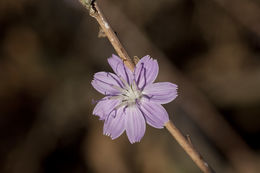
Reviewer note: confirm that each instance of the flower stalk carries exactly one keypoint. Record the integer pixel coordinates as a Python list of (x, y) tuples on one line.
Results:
[(95, 12), (188, 147)]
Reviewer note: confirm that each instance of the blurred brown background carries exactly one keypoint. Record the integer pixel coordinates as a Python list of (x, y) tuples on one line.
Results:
[(49, 51)]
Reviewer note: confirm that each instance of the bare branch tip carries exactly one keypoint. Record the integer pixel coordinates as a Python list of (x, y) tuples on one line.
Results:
[(89, 5)]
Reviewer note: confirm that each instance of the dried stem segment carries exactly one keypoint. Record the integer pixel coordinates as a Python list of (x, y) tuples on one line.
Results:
[(95, 12), (188, 147)]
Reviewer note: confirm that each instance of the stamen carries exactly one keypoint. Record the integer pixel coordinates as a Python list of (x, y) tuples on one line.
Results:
[(127, 77), (125, 109), (145, 80), (93, 101), (129, 94), (120, 105), (118, 88), (115, 97), (115, 114), (110, 114), (134, 85), (102, 81), (148, 97), (118, 82), (124, 82), (140, 73)]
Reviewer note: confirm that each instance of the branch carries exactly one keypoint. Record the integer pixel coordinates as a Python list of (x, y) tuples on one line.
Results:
[(188, 147), (95, 12)]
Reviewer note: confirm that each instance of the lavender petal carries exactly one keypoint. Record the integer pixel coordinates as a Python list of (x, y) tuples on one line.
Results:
[(161, 92), (155, 114), (114, 126), (104, 107), (146, 71), (106, 83), (120, 69), (135, 124)]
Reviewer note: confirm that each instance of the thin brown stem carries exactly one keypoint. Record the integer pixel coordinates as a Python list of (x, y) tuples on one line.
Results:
[(188, 147), (95, 12)]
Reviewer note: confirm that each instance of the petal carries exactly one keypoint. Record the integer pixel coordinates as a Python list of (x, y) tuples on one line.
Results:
[(135, 124), (120, 69), (114, 126), (155, 114), (146, 71), (161, 92), (104, 107), (106, 83)]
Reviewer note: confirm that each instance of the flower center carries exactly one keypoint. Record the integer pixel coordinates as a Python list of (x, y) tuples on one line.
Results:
[(132, 94), (129, 94)]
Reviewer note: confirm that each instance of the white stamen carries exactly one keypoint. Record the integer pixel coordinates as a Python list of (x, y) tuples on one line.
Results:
[(124, 82), (118, 88), (129, 94)]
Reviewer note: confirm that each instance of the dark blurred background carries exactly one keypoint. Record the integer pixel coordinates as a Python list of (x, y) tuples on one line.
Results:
[(49, 51)]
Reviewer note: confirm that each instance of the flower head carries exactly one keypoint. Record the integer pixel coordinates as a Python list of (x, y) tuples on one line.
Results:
[(131, 98)]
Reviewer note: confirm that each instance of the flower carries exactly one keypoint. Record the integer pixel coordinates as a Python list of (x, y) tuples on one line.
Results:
[(131, 98)]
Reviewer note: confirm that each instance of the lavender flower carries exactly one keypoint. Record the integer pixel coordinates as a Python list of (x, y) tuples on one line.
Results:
[(131, 98)]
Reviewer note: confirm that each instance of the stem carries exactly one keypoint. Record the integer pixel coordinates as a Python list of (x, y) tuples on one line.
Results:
[(95, 12), (188, 147)]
